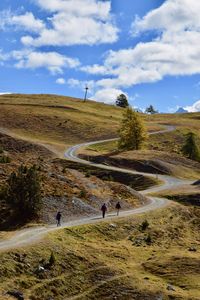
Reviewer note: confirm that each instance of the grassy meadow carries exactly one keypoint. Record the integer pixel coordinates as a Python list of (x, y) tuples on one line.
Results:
[(59, 121), (112, 260), (153, 256)]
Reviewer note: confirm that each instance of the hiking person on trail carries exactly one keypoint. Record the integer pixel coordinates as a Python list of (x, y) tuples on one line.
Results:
[(118, 207), (58, 218), (103, 209)]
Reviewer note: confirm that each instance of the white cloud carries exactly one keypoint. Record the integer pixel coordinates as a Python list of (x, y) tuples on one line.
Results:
[(28, 22), (193, 108), (84, 8), (66, 31), (175, 51), (76, 22), (73, 82), (80, 84), (95, 70), (53, 61), (173, 15), (3, 56), (108, 96), (60, 81), (5, 93), (25, 22)]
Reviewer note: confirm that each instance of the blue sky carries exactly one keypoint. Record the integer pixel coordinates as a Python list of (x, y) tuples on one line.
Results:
[(149, 50)]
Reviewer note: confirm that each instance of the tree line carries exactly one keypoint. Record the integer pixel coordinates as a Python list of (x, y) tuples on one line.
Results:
[(122, 101)]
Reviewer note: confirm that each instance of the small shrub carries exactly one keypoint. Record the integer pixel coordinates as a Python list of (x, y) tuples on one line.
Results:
[(1, 149), (82, 194), (5, 159), (148, 239), (144, 225), (52, 259), (87, 174), (39, 168), (64, 170), (110, 178)]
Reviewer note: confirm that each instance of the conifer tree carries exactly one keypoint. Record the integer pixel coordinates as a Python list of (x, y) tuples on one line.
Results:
[(151, 110), (190, 148), (132, 132), (23, 193), (122, 101)]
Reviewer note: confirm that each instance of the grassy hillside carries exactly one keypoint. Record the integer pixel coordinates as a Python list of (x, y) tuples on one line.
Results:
[(59, 121), (186, 195), (111, 260), (149, 257), (77, 190), (162, 152), (56, 120)]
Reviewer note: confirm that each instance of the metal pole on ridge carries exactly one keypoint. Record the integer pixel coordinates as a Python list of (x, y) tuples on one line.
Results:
[(86, 90)]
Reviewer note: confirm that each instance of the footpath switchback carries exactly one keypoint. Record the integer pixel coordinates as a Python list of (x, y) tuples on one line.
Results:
[(34, 234)]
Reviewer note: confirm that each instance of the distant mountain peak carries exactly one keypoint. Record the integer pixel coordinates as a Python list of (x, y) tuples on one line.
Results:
[(181, 110)]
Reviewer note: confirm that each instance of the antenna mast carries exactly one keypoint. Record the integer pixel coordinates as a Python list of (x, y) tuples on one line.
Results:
[(86, 91)]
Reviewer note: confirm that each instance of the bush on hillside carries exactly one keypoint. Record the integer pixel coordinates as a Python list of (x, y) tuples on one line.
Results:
[(23, 193), (144, 225), (5, 159)]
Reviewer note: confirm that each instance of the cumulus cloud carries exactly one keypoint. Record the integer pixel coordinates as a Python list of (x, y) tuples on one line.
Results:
[(75, 22), (173, 16), (60, 81), (80, 84), (70, 22), (73, 82), (108, 96), (53, 61), (193, 108), (66, 31), (175, 51), (95, 70), (26, 22), (93, 8)]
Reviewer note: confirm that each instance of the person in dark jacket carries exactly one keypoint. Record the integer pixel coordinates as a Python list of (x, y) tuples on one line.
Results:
[(118, 207), (58, 218), (103, 209)]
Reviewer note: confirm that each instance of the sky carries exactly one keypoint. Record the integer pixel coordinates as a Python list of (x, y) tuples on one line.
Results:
[(148, 50)]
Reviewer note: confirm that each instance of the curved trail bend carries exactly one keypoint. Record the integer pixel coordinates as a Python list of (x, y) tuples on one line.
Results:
[(30, 235)]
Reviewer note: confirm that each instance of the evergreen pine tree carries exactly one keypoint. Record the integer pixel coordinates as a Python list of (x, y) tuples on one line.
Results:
[(132, 132), (151, 110), (122, 101), (23, 193), (190, 148)]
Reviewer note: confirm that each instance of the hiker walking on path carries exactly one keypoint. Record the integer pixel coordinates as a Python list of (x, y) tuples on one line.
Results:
[(118, 207), (103, 209), (58, 218)]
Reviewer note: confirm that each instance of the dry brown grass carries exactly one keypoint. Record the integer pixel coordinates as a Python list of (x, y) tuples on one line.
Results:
[(58, 121), (187, 195), (107, 261)]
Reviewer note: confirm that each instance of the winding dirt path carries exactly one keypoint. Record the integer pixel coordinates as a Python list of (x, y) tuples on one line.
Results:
[(31, 235)]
